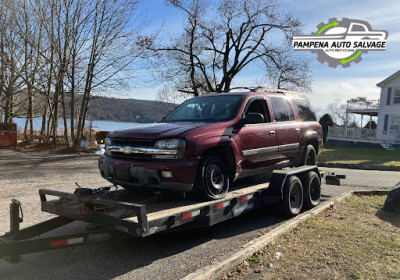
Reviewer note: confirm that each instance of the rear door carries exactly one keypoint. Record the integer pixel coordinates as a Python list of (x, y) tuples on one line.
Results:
[(288, 130)]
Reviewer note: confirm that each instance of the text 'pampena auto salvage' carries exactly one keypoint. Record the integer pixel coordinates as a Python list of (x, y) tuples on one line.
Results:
[(367, 45), (341, 42)]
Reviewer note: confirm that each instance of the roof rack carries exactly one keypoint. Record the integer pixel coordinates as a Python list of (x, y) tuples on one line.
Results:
[(264, 89), (278, 90)]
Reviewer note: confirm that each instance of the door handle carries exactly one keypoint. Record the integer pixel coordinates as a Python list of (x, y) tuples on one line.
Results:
[(272, 133), (298, 130)]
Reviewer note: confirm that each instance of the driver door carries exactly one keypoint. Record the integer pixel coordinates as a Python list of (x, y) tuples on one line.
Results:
[(258, 142)]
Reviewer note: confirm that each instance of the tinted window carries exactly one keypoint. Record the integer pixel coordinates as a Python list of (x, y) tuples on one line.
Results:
[(280, 110), (291, 115), (304, 110), (206, 109)]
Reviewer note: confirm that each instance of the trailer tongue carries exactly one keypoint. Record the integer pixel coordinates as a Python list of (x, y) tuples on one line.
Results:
[(119, 211)]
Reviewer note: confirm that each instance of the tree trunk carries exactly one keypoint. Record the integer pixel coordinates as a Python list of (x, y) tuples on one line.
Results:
[(72, 102), (65, 119), (2, 71)]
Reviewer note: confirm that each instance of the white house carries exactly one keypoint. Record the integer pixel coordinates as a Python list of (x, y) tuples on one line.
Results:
[(387, 109)]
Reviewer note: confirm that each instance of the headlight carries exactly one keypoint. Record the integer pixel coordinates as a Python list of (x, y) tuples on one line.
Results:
[(107, 144), (177, 145)]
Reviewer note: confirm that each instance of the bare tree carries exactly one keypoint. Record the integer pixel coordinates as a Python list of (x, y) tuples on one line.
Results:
[(12, 63), (55, 56), (114, 45), (289, 71), (338, 111), (221, 39), (168, 98)]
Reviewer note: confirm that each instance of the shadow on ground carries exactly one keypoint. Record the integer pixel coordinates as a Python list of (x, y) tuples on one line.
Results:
[(131, 254), (393, 218)]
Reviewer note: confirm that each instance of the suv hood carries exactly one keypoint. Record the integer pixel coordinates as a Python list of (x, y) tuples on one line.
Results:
[(155, 130)]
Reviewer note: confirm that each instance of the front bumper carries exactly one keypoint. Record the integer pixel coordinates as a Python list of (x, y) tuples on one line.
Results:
[(148, 174)]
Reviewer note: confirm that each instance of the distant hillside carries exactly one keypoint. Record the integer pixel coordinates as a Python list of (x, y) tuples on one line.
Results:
[(128, 110)]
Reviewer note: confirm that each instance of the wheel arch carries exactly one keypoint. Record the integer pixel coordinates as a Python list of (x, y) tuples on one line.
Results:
[(225, 153), (314, 143)]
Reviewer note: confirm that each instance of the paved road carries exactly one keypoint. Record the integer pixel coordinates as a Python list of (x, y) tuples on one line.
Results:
[(167, 256)]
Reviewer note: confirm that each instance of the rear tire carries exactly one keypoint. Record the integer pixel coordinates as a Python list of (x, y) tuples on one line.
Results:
[(212, 181), (312, 190), (309, 156), (292, 202)]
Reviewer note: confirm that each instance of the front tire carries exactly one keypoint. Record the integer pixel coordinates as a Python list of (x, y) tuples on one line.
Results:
[(212, 181), (292, 202)]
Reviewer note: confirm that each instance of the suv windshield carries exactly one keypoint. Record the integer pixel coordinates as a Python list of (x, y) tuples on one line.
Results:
[(206, 109)]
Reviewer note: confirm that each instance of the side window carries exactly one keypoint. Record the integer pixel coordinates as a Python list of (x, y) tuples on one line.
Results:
[(291, 115), (281, 111), (396, 98), (304, 110), (358, 28), (258, 106)]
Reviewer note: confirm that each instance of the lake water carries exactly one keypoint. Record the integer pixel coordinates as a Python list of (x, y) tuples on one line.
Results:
[(98, 125)]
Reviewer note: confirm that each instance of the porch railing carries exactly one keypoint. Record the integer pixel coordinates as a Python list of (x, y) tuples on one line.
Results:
[(352, 133), (362, 104)]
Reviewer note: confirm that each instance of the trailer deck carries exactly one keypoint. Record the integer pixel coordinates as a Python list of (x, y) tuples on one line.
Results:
[(143, 214)]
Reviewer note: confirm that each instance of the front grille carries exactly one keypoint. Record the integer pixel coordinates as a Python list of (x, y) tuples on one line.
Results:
[(133, 142), (135, 157)]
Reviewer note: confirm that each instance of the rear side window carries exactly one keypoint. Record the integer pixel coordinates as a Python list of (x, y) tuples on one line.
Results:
[(291, 115), (282, 111), (304, 110)]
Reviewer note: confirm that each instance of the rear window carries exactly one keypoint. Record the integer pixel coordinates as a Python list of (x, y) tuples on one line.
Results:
[(282, 111), (304, 110)]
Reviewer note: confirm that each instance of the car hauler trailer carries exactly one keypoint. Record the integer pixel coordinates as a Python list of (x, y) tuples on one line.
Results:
[(119, 211)]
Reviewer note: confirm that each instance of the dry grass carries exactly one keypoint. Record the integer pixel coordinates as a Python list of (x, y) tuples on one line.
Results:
[(49, 148), (59, 148), (357, 240)]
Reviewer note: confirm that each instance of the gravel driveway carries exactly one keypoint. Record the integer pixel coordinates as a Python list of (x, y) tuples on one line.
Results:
[(166, 256)]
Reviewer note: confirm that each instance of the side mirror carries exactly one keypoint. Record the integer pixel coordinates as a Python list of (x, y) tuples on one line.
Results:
[(251, 118)]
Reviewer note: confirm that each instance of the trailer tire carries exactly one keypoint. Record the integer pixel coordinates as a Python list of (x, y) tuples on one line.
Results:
[(292, 202), (212, 181), (312, 190)]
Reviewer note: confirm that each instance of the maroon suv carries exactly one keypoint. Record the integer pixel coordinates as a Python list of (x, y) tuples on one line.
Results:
[(208, 142)]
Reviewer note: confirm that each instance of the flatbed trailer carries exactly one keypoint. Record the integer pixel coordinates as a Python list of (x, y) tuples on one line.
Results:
[(116, 212)]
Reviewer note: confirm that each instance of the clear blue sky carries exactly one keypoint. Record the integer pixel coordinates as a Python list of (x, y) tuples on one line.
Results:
[(328, 84)]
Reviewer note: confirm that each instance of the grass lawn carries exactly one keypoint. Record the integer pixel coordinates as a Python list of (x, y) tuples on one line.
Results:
[(356, 240), (359, 155)]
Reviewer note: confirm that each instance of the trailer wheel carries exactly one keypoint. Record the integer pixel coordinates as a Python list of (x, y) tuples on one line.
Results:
[(212, 180), (292, 202), (312, 190)]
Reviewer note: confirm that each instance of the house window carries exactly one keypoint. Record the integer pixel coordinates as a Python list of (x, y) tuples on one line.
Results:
[(396, 98), (395, 124)]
